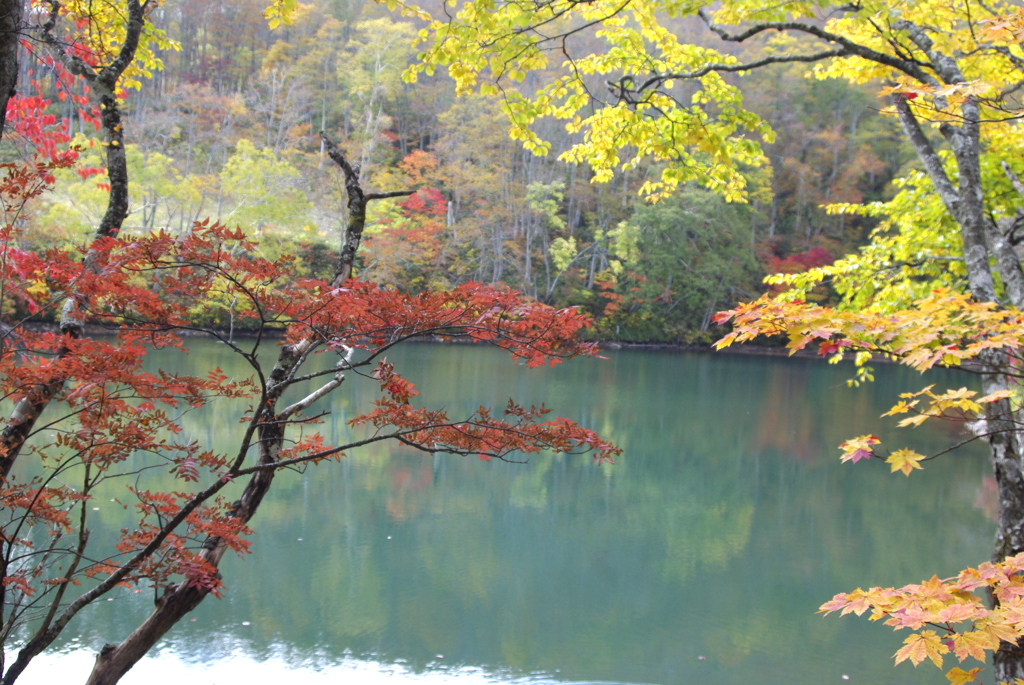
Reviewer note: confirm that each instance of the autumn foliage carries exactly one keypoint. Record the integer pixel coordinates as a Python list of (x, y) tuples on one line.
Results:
[(949, 616)]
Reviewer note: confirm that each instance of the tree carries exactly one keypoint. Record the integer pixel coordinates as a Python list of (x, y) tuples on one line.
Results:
[(682, 260), (87, 411), (950, 73)]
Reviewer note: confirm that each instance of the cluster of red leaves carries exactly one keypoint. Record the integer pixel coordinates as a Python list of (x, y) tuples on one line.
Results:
[(44, 503), (427, 201), (606, 290), (35, 503), (521, 430), (30, 118), (309, 444), (795, 263), (772, 257), (179, 554), (119, 408), (148, 288), (366, 316), (65, 82), (394, 385)]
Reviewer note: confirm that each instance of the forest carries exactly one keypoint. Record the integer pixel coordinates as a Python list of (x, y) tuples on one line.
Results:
[(228, 129)]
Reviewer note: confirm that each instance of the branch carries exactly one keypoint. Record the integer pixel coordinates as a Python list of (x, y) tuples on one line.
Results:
[(357, 201), (390, 193), (908, 67), (109, 75), (1014, 179), (945, 66), (110, 115), (312, 397), (717, 67), (76, 65), (30, 650), (928, 156)]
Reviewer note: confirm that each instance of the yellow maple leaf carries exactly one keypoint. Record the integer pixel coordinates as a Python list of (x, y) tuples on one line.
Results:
[(901, 407), (920, 646), (914, 421), (1002, 627), (904, 460), (959, 676), (974, 644), (995, 397)]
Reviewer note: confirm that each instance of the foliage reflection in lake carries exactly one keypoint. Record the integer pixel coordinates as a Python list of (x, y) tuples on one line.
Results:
[(701, 556)]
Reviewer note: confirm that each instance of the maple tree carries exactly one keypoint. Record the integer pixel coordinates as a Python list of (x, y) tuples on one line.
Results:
[(87, 410), (940, 282)]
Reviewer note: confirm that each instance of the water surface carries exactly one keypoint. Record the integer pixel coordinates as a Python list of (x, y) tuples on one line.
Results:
[(701, 556)]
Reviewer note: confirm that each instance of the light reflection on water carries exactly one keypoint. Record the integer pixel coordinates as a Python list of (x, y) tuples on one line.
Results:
[(171, 668)]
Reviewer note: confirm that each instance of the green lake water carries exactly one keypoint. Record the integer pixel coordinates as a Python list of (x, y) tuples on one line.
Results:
[(700, 557)]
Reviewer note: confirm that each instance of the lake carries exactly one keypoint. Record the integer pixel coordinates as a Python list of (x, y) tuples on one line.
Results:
[(701, 556)]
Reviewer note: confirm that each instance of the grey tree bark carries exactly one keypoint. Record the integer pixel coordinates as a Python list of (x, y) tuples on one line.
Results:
[(11, 14)]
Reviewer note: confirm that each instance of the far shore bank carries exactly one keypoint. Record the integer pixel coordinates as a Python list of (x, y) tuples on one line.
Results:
[(605, 345)]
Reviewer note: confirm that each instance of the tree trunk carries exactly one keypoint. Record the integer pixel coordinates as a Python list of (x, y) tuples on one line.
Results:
[(983, 245), (114, 661), (10, 28)]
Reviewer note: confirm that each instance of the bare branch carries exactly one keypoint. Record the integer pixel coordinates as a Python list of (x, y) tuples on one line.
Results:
[(655, 81), (908, 67), (1014, 179), (929, 157), (357, 201), (312, 397)]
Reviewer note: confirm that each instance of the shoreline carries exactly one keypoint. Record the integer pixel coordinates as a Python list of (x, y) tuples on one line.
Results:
[(604, 345)]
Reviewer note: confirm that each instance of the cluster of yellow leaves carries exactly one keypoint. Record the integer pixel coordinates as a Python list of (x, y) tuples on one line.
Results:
[(863, 447), (280, 12), (700, 133), (944, 329), (916, 246), (100, 31), (953, 30), (947, 616), (489, 46), (961, 401)]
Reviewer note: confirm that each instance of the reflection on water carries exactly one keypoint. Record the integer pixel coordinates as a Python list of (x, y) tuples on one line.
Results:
[(240, 667), (701, 556)]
